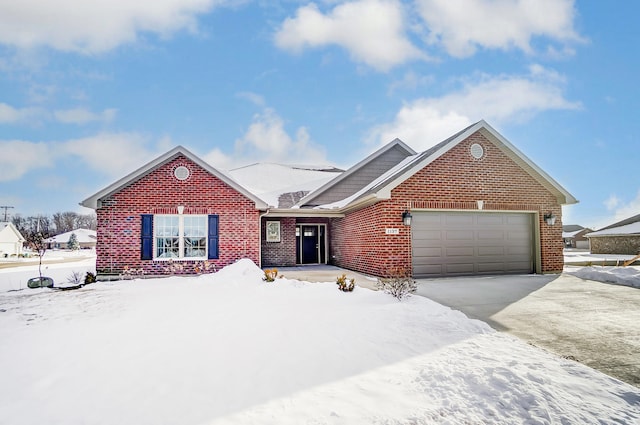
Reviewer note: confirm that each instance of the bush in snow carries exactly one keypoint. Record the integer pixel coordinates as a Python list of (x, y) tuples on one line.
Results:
[(344, 284), (400, 285), (89, 278), (270, 275), (75, 278), (204, 267), (129, 273)]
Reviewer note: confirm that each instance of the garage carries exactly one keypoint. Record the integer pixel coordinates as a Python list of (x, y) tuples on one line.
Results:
[(446, 243)]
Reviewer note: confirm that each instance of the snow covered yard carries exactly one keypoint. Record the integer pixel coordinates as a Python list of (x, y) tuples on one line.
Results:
[(230, 348)]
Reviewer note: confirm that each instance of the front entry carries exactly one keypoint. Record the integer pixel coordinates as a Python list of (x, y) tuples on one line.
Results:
[(311, 244)]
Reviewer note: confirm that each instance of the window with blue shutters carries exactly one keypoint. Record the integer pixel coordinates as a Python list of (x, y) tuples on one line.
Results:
[(170, 236), (213, 237)]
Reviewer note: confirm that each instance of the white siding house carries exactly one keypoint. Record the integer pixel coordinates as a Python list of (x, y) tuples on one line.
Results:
[(11, 240)]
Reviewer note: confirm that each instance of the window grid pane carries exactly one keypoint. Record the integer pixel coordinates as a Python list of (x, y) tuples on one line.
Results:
[(180, 236)]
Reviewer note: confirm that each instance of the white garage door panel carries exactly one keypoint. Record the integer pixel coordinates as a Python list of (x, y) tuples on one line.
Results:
[(468, 243)]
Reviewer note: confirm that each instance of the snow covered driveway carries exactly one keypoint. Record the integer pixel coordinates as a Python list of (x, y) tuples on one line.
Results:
[(593, 322), (230, 348)]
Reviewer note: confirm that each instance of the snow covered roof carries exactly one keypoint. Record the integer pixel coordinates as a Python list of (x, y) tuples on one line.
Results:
[(624, 230), (7, 228), (269, 181), (381, 187), (92, 201), (83, 235), (567, 235)]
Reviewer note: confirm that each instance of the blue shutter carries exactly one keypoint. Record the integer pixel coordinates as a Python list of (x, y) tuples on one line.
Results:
[(213, 237), (146, 237)]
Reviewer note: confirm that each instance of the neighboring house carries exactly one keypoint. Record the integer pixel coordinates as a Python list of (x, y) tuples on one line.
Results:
[(574, 236), (86, 239), (622, 237), (11, 241), (475, 203)]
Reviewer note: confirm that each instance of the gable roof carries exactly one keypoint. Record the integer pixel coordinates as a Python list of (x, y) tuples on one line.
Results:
[(7, 228), (628, 226), (395, 144), (571, 227), (92, 201), (381, 188), (624, 230), (626, 221)]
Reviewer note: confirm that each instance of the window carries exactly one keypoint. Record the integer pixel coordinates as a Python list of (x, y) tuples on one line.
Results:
[(179, 236)]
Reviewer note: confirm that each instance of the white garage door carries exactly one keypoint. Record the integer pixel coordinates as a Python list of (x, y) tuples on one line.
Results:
[(471, 243)]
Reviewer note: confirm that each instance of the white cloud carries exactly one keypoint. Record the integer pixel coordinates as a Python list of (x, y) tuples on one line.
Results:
[(254, 98), (94, 26), (20, 157), (111, 154), (371, 30), (463, 26), (84, 116), (612, 202), (623, 210), (266, 140), (11, 115), (410, 81), (498, 99)]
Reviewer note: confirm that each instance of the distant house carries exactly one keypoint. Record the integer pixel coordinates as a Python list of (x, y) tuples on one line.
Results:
[(573, 236), (622, 237), (86, 238), (470, 205), (11, 241)]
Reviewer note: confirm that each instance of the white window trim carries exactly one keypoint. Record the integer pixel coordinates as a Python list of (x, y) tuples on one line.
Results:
[(180, 238)]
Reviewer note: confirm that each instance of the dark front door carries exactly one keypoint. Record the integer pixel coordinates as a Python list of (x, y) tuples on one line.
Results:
[(310, 244), (310, 247)]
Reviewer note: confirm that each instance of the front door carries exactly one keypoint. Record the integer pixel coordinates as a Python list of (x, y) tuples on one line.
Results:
[(310, 244)]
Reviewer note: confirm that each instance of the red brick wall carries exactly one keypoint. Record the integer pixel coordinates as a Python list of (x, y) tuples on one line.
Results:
[(281, 253), (160, 193), (456, 180)]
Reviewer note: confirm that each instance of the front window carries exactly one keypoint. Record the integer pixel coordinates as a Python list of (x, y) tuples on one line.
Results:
[(180, 236)]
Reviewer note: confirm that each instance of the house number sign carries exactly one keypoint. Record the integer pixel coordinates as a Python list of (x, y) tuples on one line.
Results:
[(392, 231)]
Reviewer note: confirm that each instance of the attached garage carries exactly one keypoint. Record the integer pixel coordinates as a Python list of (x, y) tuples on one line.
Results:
[(448, 243)]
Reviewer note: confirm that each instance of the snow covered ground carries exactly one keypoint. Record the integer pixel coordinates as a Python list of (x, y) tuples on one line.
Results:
[(58, 265), (229, 348), (629, 276)]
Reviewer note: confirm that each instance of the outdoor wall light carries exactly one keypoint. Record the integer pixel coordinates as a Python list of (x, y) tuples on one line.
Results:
[(550, 219), (406, 218)]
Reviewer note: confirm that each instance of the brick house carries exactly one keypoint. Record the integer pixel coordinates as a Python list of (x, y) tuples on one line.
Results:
[(472, 204), (622, 237)]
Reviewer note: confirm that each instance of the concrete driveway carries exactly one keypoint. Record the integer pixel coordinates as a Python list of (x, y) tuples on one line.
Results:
[(597, 324)]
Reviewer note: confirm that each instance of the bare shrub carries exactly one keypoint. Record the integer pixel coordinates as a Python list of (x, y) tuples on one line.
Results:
[(400, 284), (75, 278)]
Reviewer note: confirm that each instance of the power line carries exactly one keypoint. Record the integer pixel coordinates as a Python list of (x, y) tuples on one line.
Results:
[(6, 208)]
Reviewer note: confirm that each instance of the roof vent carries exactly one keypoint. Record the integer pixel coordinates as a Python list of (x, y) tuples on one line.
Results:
[(181, 173), (477, 151)]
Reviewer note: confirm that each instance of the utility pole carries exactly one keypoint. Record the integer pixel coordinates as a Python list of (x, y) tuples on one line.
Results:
[(6, 207)]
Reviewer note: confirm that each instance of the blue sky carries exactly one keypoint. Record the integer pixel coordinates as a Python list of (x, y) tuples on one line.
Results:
[(91, 90)]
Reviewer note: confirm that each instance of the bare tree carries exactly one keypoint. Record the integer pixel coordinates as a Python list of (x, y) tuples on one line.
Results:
[(38, 242)]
